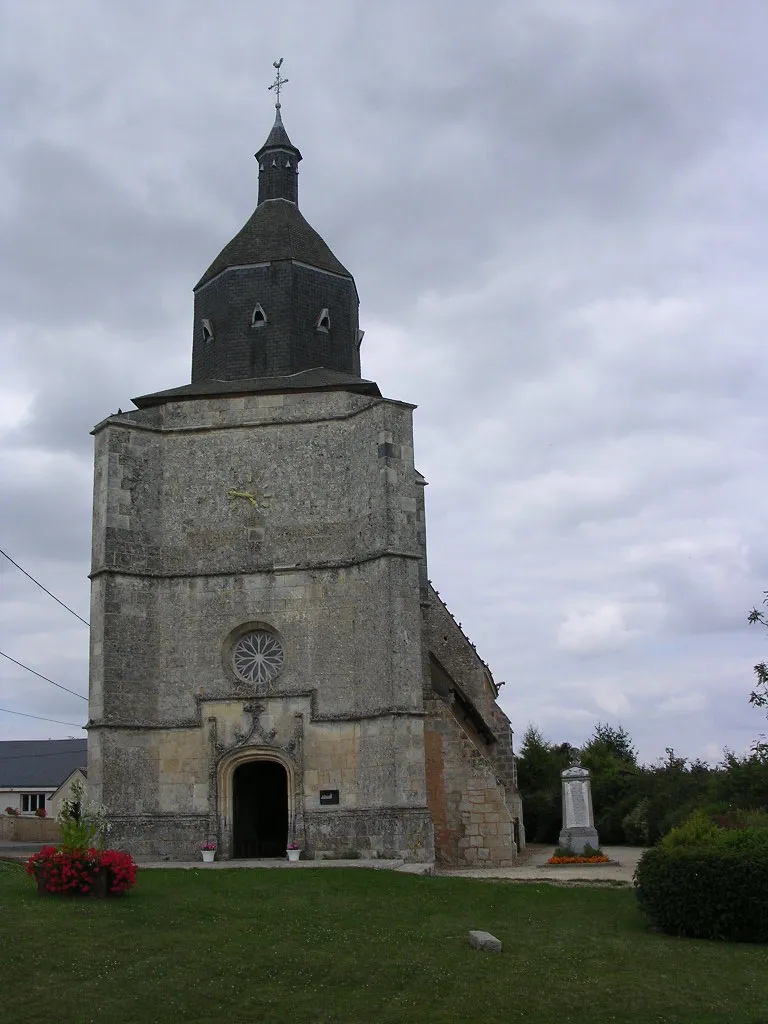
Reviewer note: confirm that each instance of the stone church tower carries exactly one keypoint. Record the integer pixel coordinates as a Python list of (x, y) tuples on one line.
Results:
[(268, 659)]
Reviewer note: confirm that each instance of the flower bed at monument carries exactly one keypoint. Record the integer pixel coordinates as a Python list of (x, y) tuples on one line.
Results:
[(599, 859), (563, 855)]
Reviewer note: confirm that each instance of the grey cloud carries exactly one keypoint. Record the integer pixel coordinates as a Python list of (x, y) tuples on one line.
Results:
[(76, 239), (554, 216)]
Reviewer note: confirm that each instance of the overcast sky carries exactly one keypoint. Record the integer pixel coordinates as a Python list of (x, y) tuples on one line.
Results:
[(556, 214)]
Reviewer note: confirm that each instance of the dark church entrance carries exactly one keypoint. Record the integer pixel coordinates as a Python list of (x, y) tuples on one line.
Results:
[(260, 809)]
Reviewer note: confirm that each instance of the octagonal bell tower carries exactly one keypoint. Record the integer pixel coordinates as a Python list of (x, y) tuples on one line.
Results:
[(275, 301), (269, 663), (258, 551)]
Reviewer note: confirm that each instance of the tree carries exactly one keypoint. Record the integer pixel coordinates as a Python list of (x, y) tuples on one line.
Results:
[(539, 765), (742, 782), (674, 788), (759, 696), (608, 745), (612, 762)]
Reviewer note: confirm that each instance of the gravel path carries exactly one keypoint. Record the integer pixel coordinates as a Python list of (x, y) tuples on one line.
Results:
[(532, 866)]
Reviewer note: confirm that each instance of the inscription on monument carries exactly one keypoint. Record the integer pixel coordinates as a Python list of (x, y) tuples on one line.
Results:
[(576, 806)]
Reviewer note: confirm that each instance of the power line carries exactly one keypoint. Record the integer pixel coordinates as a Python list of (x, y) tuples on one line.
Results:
[(55, 753), (7, 711), (40, 676), (38, 584)]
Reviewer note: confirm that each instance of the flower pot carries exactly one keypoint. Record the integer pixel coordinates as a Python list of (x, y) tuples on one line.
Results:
[(208, 856), (293, 855), (98, 888)]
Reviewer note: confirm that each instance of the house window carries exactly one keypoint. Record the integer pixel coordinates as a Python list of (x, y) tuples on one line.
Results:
[(258, 317), (31, 802), (324, 321)]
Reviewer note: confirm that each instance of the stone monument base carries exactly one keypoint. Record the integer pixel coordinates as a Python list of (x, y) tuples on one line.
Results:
[(576, 838)]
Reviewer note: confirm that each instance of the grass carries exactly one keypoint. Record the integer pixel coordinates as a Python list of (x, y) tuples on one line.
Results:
[(348, 945)]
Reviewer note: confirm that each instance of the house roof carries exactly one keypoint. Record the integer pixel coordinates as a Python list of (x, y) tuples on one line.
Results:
[(26, 764)]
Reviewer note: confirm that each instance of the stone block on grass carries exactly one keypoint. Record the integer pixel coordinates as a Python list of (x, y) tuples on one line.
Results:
[(485, 941)]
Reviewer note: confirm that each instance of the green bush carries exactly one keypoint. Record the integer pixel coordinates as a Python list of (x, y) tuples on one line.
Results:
[(737, 830), (697, 829), (741, 818), (716, 891), (744, 840), (635, 824)]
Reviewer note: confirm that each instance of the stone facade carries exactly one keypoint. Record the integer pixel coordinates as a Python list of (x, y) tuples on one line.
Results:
[(285, 512), (301, 514)]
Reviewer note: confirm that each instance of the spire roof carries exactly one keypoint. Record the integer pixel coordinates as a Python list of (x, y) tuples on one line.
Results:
[(276, 302), (278, 138), (275, 231)]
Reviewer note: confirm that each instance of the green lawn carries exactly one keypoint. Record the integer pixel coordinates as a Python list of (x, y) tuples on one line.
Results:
[(358, 946)]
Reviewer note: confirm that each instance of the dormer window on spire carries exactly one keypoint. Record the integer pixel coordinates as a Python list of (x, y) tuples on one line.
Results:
[(324, 321), (258, 317)]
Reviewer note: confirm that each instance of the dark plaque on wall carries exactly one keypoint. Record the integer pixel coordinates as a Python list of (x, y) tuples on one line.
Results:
[(329, 796)]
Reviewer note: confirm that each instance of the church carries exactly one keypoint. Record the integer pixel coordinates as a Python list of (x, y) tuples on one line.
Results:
[(269, 662)]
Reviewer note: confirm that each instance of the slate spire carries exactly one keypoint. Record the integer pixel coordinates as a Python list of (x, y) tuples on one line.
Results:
[(276, 302)]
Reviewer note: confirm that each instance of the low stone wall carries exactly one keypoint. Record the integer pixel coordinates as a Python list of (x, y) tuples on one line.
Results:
[(402, 833), (28, 830), (154, 837)]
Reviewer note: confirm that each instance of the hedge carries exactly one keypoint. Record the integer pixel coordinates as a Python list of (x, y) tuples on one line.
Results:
[(707, 892)]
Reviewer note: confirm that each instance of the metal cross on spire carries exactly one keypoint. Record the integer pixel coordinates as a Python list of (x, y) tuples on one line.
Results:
[(278, 83)]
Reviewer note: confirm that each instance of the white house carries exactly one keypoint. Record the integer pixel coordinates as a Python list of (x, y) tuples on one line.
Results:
[(64, 792), (35, 772)]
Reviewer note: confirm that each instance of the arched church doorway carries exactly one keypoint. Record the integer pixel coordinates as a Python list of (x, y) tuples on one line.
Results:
[(260, 809)]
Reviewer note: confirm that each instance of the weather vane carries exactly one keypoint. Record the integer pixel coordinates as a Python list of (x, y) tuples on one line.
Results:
[(279, 81)]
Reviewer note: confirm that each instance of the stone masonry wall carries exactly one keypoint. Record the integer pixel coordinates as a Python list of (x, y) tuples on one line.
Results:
[(455, 652), (458, 659), (28, 830), (473, 824), (296, 513)]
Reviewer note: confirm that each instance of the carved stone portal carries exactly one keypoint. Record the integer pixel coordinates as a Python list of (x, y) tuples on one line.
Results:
[(254, 743)]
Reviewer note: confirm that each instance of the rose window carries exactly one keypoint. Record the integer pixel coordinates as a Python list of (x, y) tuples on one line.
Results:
[(258, 657)]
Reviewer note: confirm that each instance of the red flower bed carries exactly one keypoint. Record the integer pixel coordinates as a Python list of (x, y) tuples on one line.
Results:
[(78, 872), (602, 859)]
